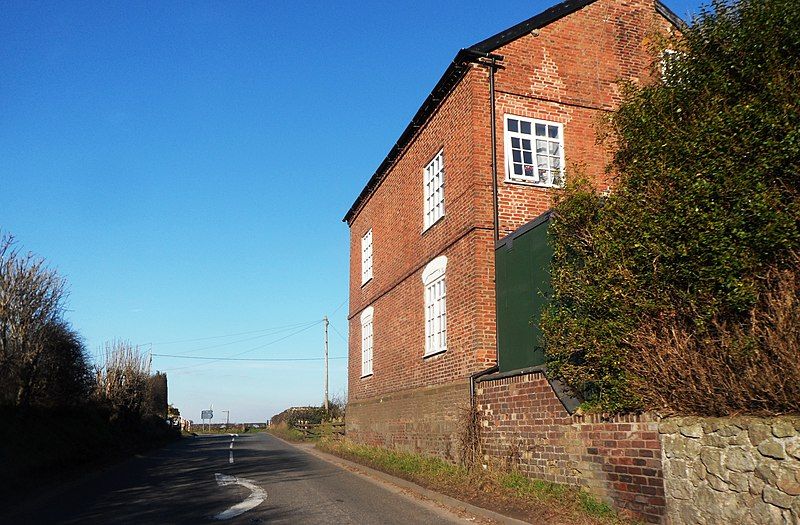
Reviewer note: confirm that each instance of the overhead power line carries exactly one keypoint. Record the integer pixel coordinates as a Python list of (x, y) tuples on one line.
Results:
[(261, 336), (248, 358), (343, 338), (274, 328), (211, 360), (340, 305)]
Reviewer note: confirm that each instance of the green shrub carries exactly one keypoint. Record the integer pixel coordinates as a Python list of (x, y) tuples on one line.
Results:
[(705, 205)]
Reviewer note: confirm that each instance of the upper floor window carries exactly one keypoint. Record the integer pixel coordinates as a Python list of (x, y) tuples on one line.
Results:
[(670, 65), (366, 341), (434, 190), (433, 279), (366, 257), (534, 151)]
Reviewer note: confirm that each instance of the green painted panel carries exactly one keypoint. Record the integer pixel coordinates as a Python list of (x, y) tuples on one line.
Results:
[(522, 283)]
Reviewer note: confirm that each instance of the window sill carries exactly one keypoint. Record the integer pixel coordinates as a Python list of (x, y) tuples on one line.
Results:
[(440, 219), (366, 282), (434, 354), (366, 376), (533, 184)]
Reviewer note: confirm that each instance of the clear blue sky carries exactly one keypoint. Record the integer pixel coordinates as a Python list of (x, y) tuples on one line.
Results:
[(186, 167)]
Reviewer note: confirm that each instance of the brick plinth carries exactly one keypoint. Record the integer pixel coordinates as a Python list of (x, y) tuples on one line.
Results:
[(420, 420)]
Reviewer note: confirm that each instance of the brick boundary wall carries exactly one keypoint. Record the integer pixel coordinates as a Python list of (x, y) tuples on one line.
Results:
[(618, 459), (423, 420)]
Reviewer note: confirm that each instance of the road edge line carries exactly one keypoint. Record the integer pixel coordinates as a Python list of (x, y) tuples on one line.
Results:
[(438, 497)]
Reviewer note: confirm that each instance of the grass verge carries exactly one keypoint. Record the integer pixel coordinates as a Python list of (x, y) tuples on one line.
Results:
[(509, 493), (284, 431)]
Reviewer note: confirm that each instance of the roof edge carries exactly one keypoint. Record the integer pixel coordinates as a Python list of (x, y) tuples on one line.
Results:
[(526, 26), (451, 77), (456, 71), (669, 14)]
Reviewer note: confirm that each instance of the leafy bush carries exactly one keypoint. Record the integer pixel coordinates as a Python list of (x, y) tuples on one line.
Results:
[(705, 209)]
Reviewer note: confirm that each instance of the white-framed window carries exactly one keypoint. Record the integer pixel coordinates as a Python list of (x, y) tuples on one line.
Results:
[(534, 151), (366, 257), (433, 188), (669, 65), (433, 280), (366, 341)]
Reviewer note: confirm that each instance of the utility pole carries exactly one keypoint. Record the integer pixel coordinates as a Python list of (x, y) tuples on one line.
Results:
[(325, 322), (227, 418)]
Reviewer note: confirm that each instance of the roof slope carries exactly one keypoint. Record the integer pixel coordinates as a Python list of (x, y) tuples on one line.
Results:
[(456, 71)]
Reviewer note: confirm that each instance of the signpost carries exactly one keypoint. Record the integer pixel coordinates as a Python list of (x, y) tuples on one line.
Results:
[(207, 414)]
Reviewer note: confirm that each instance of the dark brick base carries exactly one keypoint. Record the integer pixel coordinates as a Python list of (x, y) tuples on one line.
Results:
[(420, 420)]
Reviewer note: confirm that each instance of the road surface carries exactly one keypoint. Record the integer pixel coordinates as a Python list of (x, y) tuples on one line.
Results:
[(252, 478)]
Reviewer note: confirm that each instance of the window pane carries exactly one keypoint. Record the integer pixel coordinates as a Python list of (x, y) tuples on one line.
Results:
[(528, 157), (552, 131), (525, 127), (515, 142), (554, 148), (517, 169), (558, 178), (529, 171), (541, 146), (526, 144), (516, 155), (541, 161), (512, 125), (541, 130)]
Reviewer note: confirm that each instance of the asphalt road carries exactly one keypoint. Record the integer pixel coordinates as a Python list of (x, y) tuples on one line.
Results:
[(194, 481)]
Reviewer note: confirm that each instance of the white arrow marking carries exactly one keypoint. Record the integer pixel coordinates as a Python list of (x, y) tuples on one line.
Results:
[(256, 497)]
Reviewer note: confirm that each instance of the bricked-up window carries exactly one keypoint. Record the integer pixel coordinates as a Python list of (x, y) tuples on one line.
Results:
[(433, 279), (366, 257), (534, 151), (366, 342), (434, 190)]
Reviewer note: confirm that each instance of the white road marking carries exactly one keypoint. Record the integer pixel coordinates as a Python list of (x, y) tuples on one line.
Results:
[(230, 457), (256, 497)]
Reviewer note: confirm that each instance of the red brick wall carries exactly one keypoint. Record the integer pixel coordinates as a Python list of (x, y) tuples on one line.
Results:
[(400, 252), (567, 74), (523, 422)]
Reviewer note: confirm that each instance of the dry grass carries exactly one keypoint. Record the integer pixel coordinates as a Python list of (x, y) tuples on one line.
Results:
[(751, 367), (285, 432), (509, 493)]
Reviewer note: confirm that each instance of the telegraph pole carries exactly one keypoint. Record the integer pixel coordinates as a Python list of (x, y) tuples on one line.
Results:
[(325, 322)]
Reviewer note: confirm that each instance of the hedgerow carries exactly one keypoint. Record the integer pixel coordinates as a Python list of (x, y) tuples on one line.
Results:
[(703, 217)]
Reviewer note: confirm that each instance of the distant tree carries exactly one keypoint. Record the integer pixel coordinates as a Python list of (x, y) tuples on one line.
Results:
[(173, 411), (31, 308), (65, 375), (123, 381)]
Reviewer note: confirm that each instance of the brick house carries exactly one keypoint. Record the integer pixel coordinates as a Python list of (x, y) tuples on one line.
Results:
[(424, 229)]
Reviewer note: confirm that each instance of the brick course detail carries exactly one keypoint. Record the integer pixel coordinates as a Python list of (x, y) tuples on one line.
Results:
[(525, 425)]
